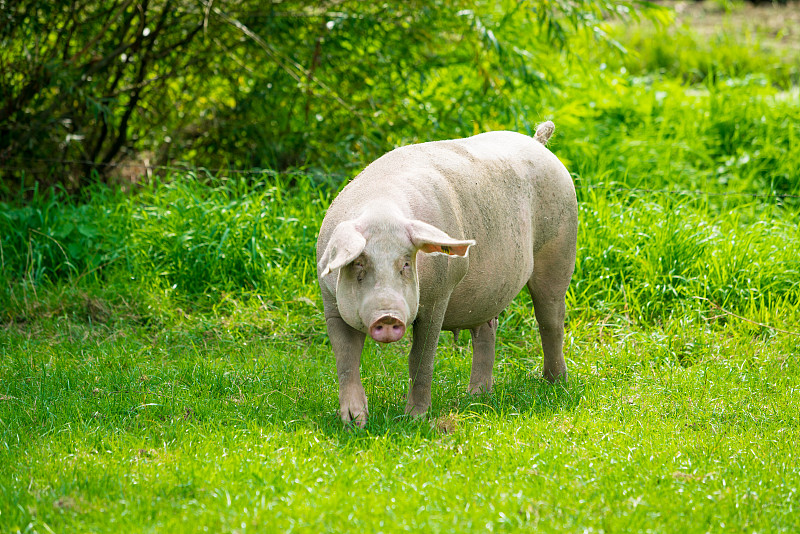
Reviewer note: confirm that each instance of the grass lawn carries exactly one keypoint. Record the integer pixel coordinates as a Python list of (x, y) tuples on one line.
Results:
[(683, 428)]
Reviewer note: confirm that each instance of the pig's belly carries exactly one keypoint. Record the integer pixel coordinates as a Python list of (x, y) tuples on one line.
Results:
[(482, 295)]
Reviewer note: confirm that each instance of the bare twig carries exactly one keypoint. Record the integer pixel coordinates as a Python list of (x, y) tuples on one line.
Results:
[(111, 19), (290, 66), (66, 256)]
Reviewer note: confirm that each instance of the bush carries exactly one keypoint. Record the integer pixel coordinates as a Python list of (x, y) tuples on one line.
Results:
[(99, 86)]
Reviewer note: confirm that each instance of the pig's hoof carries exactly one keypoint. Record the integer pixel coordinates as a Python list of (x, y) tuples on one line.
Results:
[(479, 389), (353, 408), (555, 376), (415, 410), (355, 418)]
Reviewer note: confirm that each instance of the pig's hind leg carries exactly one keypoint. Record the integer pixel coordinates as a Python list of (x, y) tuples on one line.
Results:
[(552, 271), (483, 339)]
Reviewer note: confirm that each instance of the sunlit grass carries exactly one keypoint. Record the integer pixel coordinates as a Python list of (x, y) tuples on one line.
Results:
[(685, 426)]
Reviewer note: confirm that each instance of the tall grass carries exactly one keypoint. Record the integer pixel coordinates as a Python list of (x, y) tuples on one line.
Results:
[(643, 256), (654, 260), (50, 236), (714, 139), (689, 230), (732, 56), (229, 234)]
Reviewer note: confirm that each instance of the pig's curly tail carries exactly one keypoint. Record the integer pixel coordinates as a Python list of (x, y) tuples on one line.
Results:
[(544, 131)]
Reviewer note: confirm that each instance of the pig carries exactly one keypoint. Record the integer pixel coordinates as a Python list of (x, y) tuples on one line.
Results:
[(442, 236)]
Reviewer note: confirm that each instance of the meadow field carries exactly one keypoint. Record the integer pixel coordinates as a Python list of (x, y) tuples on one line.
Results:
[(164, 365)]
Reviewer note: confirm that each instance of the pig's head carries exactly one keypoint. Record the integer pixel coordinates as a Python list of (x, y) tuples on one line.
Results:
[(377, 290)]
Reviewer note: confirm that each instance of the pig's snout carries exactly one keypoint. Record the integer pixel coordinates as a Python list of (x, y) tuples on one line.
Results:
[(387, 329)]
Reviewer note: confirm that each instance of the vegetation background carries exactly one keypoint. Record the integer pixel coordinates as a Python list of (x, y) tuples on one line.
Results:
[(163, 360)]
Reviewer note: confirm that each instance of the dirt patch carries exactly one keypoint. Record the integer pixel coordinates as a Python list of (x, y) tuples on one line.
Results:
[(776, 26)]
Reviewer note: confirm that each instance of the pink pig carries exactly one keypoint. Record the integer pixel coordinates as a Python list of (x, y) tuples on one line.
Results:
[(442, 236)]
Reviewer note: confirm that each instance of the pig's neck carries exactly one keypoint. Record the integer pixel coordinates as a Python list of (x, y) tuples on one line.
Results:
[(385, 210)]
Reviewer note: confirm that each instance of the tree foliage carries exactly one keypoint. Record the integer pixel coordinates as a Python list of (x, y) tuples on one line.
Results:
[(89, 86)]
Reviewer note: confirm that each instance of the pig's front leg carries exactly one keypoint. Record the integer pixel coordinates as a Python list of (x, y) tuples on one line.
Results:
[(421, 358), (348, 343), (483, 339)]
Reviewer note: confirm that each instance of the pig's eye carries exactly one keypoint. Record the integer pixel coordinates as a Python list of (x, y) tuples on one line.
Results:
[(406, 268), (361, 272)]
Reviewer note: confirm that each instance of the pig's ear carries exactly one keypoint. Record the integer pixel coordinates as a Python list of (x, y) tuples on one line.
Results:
[(429, 239), (345, 245)]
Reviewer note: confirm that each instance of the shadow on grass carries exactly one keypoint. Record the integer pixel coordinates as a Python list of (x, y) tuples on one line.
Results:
[(524, 396), (521, 395), (173, 385)]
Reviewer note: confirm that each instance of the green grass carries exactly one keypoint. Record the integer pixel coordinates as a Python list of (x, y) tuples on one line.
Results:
[(687, 427), (164, 365)]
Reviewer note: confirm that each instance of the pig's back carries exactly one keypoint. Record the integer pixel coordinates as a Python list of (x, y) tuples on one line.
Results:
[(505, 190), (512, 195)]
